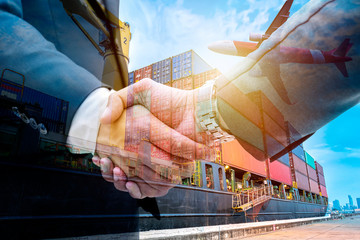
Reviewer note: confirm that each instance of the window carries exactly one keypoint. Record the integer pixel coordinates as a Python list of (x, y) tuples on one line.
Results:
[(221, 179), (209, 176)]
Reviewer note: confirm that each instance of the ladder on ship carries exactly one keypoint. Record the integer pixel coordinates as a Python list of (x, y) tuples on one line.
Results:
[(250, 198), (196, 177)]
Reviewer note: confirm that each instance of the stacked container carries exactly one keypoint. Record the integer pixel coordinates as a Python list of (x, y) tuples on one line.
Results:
[(131, 78), (201, 78), (161, 71), (185, 83), (321, 179), (187, 64), (145, 72), (234, 155), (310, 164), (297, 161), (54, 110)]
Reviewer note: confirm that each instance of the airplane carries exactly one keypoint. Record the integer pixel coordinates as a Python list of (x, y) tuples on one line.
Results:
[(284, 54)]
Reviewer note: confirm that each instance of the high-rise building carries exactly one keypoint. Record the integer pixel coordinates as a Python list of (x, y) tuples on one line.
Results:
[(336, 204), (358, 202), (351, 203)]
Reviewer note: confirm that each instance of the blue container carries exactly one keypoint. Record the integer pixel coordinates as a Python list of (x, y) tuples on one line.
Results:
[(161, 71), (187, 64), (54, 110), (131, 78), (299, 152)]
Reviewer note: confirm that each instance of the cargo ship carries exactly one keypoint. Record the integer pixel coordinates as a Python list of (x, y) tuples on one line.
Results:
[(75, 200)]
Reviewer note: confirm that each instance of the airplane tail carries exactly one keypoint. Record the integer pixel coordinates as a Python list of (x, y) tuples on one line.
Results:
[(341, 51)]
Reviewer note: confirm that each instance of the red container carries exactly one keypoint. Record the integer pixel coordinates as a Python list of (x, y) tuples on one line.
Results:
[(299, 165), (311, 173), (323, 191), (314, 186), (319, 168), (302, 181), (268, 107), (145, 72), (280, 172), (275, 130), (242, 104), (321, 180), (233, 154)]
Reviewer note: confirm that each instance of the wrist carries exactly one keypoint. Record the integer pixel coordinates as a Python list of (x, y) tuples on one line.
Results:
[(207, 114)]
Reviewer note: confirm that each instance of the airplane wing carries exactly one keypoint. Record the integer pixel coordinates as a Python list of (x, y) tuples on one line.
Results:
[(272, 72), (280, 18)]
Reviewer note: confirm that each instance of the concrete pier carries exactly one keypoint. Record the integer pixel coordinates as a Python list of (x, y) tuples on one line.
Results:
[(306, 228)]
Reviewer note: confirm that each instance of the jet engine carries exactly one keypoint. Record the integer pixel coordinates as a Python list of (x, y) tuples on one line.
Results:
[(256, 37)]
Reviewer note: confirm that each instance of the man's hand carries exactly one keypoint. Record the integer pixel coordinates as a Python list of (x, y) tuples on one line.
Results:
[(163, 118)]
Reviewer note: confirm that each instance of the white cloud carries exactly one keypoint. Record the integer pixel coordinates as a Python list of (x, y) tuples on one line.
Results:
[(161, 31)]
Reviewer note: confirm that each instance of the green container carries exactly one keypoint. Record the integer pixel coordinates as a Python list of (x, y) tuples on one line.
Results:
[(310, 160)]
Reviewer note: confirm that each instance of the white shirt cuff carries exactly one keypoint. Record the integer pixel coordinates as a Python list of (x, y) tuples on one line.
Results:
[(85, 125)]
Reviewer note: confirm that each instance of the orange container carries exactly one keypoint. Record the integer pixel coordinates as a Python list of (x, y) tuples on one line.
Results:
[(321, 180), (145, 72), (234, 155)]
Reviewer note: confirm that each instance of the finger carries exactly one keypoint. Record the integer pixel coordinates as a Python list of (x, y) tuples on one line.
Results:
[(138, 188), (114, 109), (106, 167), (133, 190), (120, 179), (96, 160)]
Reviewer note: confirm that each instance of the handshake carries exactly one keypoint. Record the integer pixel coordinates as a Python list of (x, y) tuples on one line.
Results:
[(148, 136)]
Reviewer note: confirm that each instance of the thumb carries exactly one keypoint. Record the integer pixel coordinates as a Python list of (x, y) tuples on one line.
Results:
[(113, 110)]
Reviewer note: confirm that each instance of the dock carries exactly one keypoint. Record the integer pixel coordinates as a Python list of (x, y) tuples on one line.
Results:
[(306, 228)]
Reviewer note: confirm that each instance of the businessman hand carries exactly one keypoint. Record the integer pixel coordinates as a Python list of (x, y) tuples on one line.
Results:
[(163, 118)]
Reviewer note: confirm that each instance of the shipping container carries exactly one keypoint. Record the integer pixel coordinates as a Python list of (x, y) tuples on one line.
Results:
[(234, 155), (145, 72), (323, 191), (201, 78), (185, 83), (314, 186), (187, 64), (302, 181), (285, 159), (321, 180), (312, 173), (131, 78), (299, 165), (54, 110), (319, 168), (299, 152), (161, 71), (268, 107), (310, 160), (280, 172)]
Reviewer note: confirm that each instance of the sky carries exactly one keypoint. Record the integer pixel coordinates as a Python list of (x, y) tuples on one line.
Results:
[(163, 28)]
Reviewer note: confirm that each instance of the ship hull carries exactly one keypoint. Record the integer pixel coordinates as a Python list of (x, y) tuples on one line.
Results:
[(48, 202)]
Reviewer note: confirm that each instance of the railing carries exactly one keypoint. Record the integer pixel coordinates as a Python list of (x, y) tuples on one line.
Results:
[(247, 199)]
